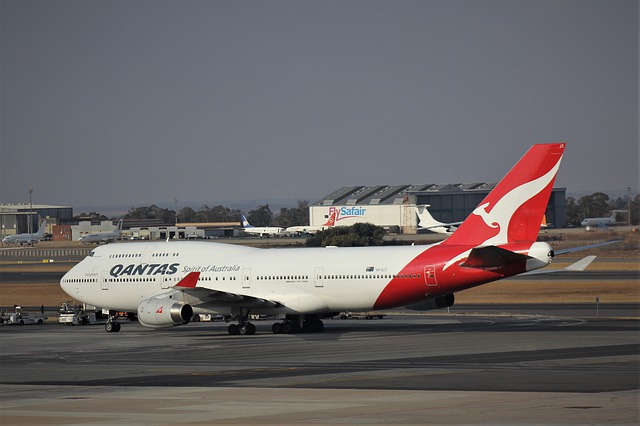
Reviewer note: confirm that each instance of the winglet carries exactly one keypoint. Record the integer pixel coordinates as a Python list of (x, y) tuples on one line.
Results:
[(189, 281)]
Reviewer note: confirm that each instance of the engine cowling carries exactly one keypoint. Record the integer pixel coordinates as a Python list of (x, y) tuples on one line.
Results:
[(434, 303), (541, 254), (163, 312)]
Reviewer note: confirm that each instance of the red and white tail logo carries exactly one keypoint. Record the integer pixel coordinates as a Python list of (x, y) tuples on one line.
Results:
[(513, 210), (159, 310), (332, 219)]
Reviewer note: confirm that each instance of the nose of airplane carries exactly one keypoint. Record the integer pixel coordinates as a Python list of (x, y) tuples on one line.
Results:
[(68, 285)]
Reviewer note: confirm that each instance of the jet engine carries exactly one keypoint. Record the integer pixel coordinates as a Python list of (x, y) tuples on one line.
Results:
[(163, 312), (434, 303)]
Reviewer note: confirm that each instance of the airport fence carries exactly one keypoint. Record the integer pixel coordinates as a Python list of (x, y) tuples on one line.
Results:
[(35, 253)]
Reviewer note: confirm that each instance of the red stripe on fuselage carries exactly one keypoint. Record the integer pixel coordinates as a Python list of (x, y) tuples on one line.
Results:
[(410, 285)]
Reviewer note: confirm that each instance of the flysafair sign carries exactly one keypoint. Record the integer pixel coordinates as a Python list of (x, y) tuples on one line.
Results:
[(347, 212)]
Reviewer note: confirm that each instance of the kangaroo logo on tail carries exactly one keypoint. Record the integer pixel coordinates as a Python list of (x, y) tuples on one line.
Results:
[(504, 210), (513, 210)]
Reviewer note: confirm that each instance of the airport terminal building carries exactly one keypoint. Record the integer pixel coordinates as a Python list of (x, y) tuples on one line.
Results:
[(394, 207), (24, 218)]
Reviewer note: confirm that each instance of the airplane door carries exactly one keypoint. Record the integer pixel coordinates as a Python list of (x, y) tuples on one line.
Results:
[(246, 278), (146, 254), (317, 278), (164, 284), (104, 281), (430, 276)]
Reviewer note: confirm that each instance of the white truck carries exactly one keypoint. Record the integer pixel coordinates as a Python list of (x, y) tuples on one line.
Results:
[(71, 314), (19, 317)]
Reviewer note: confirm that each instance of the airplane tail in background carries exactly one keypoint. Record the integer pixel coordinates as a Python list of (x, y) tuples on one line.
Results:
[(426, 220), (512, 212), (41, 229), (332, 220), (245, 222)]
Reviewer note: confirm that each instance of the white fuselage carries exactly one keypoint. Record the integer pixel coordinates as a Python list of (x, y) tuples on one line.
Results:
[(264, 230), (121, 276)]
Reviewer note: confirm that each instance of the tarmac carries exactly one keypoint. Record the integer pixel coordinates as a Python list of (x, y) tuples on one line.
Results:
[(473, 365)]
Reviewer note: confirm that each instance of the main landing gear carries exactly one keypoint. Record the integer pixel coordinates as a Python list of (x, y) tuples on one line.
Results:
[(298, 324), (244, 327), (291, 324)]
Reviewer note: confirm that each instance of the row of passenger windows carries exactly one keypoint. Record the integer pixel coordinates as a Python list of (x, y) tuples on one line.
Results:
[(367, 277), (131, 280), (130, 255), (81, 280), (259, 278), (202, 278), (280, 277)]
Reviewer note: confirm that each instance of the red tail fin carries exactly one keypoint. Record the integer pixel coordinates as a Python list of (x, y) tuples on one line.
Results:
[(332, 219), (513, 210)]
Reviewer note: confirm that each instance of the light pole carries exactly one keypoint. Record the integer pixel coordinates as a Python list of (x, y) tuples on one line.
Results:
[(176, 202), (30, 214), (629, 207)]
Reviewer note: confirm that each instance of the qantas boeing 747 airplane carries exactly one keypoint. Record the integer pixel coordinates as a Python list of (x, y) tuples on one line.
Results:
[(168, 282)]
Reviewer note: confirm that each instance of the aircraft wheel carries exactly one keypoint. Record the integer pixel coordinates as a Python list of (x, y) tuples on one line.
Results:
[(233, 329), (247, 329), (276, 328), (112, 327), (287, 328)]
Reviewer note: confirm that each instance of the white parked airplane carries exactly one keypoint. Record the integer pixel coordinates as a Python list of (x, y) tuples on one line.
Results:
[(27, 238), (302, 229), (102, 237), (168, 282), (601, 221), (261, 231), (426, 221)]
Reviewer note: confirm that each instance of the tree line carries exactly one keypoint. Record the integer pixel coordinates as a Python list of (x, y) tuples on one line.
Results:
[(600, 204), (260, 216), (597, 204)]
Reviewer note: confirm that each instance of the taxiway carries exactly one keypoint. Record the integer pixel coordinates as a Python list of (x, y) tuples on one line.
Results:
[(463, 367)]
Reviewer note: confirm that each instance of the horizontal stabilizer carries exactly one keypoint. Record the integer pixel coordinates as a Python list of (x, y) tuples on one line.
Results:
[(573, 249), (492, 256), (578, 266)]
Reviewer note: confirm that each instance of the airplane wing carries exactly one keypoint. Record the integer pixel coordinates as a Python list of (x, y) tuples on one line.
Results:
[(213, 297)]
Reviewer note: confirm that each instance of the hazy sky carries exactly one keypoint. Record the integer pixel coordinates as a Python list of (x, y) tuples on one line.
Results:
[(138, 102)]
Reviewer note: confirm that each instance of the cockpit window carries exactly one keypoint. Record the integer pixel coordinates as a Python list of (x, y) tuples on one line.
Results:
[(91, 253)]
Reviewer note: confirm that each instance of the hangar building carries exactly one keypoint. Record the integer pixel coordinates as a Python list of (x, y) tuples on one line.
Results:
[(17, 218), (394, 207)]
